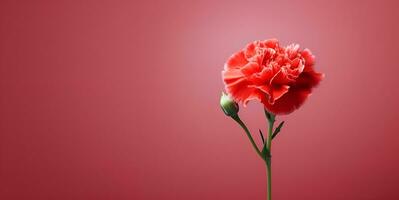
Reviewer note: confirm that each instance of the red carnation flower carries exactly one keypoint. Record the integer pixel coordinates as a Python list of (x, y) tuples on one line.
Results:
[(279, 77)]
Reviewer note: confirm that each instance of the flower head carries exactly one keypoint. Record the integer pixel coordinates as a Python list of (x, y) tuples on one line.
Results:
[(280, 77)]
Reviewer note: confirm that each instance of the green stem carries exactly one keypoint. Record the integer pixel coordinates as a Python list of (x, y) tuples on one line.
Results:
[(270, 118), (269, 178), (238, 120)]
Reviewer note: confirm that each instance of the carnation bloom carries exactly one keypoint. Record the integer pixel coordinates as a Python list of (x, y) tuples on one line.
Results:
[(279, 77)]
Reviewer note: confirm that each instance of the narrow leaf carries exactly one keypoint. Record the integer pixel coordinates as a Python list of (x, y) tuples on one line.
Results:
[(261, 135), (277, 130)]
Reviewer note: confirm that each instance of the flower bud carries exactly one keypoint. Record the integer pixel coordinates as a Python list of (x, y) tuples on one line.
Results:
[(229, 106)]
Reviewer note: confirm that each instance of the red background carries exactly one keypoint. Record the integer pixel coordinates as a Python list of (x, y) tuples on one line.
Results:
[(119, 100)]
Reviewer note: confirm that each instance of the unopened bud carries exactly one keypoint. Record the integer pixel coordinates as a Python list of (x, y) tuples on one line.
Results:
[(228, 105)]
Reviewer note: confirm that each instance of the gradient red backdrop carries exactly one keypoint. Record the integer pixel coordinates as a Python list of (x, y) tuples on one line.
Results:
[(119, 100)]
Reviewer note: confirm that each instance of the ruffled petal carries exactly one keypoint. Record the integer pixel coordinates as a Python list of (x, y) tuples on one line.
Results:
[(309, 59), (309, 79), (239, 90), (289, 102), (271, 43), (232, 74), (236, 61), (277, 92), (254, 95), (266, 74), (264, 88), (250, 50), (292, 50), (250, 68), (281, 78)]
